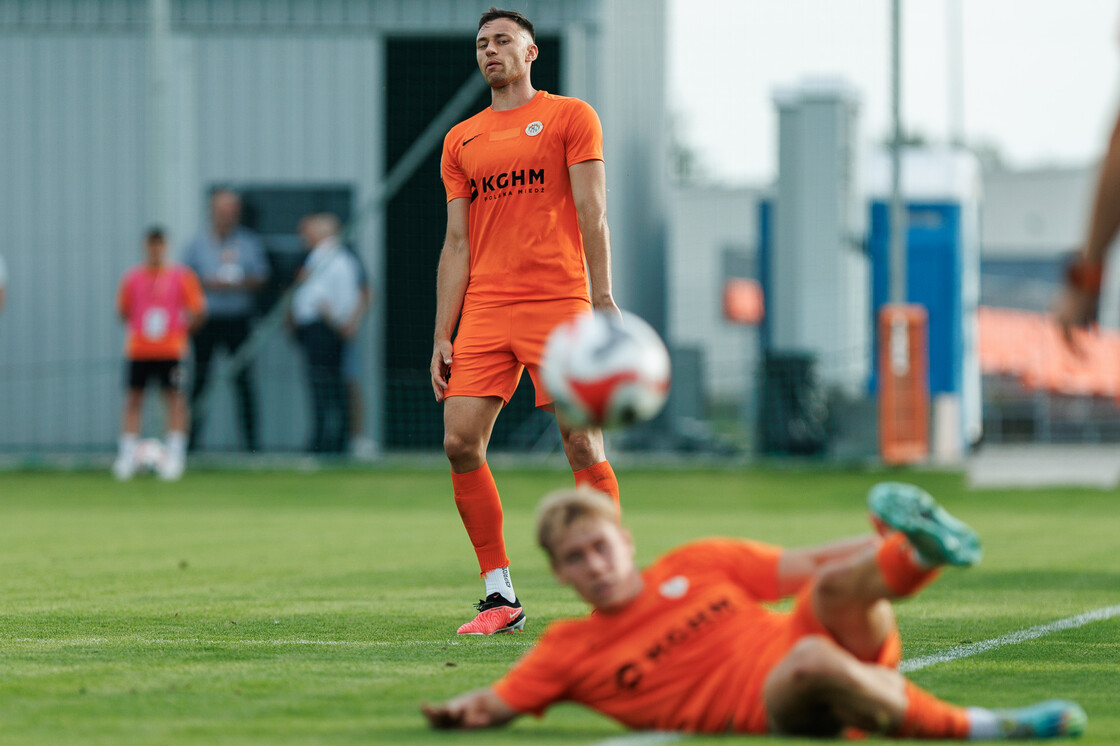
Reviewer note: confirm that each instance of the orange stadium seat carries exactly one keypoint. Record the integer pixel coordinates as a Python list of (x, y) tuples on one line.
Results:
[(1030, 346)]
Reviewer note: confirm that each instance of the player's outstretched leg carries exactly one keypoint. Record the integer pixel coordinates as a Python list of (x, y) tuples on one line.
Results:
[(1054, 718), (937, 537)]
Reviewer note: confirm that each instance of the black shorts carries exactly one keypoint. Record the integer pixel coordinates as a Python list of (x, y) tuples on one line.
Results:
[(168, 373)]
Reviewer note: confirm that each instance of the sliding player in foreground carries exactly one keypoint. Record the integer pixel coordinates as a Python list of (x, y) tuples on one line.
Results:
[(687, 645)]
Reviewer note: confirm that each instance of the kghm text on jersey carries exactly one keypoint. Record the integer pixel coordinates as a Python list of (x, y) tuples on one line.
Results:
[(522, 181), (697, 622)]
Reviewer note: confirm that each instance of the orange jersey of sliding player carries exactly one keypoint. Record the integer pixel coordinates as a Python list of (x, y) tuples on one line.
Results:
[(525, 242), (690, 653)]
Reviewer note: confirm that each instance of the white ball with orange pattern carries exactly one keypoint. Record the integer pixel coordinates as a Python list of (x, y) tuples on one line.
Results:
[(605, 370)]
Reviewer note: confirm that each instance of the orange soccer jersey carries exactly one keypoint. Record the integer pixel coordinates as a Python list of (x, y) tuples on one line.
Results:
[(155, 304), (691, 653), (513, 167)]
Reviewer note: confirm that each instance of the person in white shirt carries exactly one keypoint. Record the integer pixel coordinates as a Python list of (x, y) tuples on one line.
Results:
[(324, 310)]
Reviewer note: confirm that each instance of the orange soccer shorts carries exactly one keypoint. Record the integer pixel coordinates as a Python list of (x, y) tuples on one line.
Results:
[(494, 345), (802, 621)]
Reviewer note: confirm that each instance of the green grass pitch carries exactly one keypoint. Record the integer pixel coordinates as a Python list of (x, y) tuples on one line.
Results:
[(309, 608)]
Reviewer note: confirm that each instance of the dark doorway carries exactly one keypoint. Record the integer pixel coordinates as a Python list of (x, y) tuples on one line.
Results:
[(422, 74)]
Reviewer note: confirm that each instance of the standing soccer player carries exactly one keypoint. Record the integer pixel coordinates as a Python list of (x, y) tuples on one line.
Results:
[(161, 304), (526, 237)]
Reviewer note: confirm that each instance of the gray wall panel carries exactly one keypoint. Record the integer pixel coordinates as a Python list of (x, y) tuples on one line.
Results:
[(72, 207)]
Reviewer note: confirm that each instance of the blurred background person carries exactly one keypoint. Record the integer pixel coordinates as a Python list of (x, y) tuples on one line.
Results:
[(161, 304), (361, 445), (231, 263), (326, 310)]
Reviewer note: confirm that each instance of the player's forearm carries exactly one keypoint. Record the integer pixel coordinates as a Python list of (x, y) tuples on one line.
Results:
[(589, 193), (451, 288), (1105, 221), (597, 249), (196, 322), (797, 566)]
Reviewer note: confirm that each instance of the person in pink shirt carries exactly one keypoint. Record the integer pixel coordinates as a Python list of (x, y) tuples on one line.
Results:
[(161, 304)]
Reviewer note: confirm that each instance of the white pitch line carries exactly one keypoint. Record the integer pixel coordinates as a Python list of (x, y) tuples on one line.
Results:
[(1014, 638), (641, 739), (916, 664), (912, 664), (181, 642)]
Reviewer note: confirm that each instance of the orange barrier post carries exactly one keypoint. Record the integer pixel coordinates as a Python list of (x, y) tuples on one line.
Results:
[(903, 383)]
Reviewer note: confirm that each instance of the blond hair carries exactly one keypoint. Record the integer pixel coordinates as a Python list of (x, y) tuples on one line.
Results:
[(560, 509)]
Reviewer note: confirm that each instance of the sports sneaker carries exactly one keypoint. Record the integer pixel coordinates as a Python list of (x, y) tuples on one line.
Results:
[(495, 614), (171, 467), (937, 537), (1053, 718), (124, 467)]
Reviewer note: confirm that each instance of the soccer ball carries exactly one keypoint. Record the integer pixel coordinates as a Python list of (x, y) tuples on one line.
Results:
[(149, 455), (606, 371)]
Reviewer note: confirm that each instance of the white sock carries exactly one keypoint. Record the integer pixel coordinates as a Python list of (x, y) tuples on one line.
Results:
[(176, 443), (983, 725), (497, 581), (126, 445)]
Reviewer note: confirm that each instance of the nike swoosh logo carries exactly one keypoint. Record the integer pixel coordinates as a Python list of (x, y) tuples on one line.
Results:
[(468, 140), (514, 614)]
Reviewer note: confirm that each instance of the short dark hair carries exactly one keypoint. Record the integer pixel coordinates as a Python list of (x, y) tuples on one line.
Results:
[(154, 233), (495, 13)]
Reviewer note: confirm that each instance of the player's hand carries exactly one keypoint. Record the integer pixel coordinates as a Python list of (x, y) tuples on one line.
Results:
[(480, 708), (607, 306), (441, 716), (441, 368), (1074, 308), (349, 329)]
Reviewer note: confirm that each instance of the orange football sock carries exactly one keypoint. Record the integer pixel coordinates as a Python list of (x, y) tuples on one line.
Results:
[(900, 568), (601, 477), (930, 717), (480, 507)]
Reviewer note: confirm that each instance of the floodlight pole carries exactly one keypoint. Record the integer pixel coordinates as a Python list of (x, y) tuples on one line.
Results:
[(898, 215)]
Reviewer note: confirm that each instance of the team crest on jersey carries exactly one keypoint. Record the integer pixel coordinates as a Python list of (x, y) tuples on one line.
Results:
[(674, 587), (534, 128)]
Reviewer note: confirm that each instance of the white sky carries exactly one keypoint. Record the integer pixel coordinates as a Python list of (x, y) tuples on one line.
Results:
[(1040, 76)]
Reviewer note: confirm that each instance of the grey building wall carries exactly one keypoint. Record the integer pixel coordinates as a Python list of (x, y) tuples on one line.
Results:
[(72, 207), (714, 235), (102, 136)]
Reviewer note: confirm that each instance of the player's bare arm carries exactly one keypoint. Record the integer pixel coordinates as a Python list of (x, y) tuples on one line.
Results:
[(451, 287), (797, 566), (481, 708), (589, 192), (1076, 305), (196, 321)]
